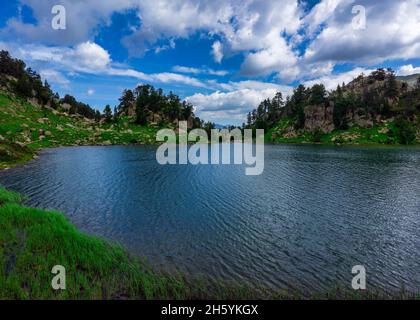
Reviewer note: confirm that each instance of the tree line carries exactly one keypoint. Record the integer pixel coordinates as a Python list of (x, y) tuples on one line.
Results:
[(145, 100), (27, 83), (380, 93)]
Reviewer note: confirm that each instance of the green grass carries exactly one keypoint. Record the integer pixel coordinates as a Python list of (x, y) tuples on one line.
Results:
[(32, 241), (25, 128), (378, 134)]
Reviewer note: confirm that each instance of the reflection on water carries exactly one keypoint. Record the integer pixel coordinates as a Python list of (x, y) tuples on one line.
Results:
[(313, 214)]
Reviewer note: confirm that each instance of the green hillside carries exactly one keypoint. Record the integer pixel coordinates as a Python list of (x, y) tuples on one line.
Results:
[(378, 108), (25, 128)]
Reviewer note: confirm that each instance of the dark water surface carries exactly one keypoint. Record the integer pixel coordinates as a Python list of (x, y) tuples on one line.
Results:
[(313, 214)]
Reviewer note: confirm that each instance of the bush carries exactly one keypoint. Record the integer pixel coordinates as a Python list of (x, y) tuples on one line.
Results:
[(405, 131), (317, 135), (339, 115)]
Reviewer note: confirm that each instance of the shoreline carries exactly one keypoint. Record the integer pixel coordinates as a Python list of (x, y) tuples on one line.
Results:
[(96, 268), (10, 165)]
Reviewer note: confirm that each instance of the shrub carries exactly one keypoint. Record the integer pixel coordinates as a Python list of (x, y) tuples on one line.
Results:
[(405, 131)]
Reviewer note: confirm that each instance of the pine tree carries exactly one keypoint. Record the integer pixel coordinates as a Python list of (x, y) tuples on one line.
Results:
[(108, 113), (24, 87), (391, 84)]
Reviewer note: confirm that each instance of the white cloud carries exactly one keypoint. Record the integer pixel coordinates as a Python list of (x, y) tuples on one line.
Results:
[(320, 13), (164, 77), (170, 45), (277, 58), (407, 70), (267, 33), (254, 27), (205, 71), (85, 57), (233, 105), (217, 51), (82, 21), (332, 81), (392, 32), (91, 58), (91, 92), (55, 77), (274, 37)]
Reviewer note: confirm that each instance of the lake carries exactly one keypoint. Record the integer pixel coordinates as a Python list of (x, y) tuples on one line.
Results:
[(314, 213)]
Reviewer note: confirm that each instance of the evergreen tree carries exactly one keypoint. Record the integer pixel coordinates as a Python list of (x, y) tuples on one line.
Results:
[(391, 84), (249, 119), (97, 116), (108, 113), (24, 87), (318, 94), (339, 113), (140, 113), (126, 100)]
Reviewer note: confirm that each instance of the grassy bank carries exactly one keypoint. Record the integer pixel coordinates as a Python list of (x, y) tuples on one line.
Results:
[(26, 128), (32, 241), (381, 133)]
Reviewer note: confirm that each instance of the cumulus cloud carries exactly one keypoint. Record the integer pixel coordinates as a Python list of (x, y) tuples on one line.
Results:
[(91, 92), (407, 70), (82, 21), (280, 40), (267, 33), (320, 13), (54, 77), (85, 57), (332, 81), (391, 33), (277, 58), (228, 105), (238, 99), (91, 58)]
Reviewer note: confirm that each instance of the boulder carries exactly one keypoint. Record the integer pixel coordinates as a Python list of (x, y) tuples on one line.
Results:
[(384, 130)]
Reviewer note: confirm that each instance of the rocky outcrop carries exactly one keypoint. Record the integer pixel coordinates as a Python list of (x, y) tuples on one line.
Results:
[(319, 117)]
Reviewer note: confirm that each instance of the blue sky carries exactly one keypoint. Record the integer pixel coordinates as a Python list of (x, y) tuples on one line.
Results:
[(223, 56)]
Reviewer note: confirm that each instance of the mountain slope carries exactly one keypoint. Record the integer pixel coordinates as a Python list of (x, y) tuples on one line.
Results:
[(25, 128), (373, 109)]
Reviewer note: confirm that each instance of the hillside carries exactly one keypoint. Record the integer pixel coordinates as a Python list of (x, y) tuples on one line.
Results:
[(25, 128), (373, 109), (33, 117), (411, 79)]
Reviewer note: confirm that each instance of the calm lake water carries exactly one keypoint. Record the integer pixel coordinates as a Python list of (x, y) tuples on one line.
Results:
[(303, 224)]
